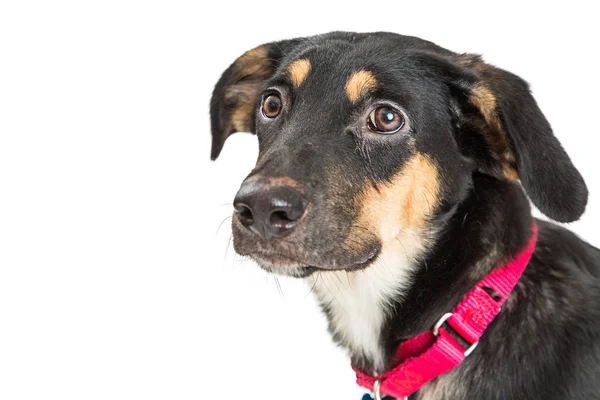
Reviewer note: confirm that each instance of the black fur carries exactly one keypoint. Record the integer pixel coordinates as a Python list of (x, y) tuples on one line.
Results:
[(545, 344), (477, 123)]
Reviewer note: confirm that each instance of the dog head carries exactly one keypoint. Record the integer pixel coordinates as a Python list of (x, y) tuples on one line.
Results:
[(367, 141)]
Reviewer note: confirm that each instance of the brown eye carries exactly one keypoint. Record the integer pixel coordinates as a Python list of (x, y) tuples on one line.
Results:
[(271, 106), (385, 120)]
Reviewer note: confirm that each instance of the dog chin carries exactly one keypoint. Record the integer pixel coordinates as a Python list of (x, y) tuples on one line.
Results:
[(283, 266), (288, 267)]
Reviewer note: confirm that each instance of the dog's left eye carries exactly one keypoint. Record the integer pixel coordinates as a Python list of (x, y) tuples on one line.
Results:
[(271, 106), (385, 120)]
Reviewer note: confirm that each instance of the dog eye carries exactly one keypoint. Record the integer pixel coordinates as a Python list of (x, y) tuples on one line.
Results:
[(385, 120), (272, 106)]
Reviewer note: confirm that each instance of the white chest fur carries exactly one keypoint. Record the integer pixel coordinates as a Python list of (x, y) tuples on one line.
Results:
[(358, 300)]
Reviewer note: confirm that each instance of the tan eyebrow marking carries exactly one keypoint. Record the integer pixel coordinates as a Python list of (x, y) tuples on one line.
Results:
[(360, 83), (298, 71)]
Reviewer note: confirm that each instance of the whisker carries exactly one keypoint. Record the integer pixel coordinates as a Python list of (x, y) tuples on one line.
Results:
[(313, 285), (237, 257), (278, 287), (403, 248), (229, 242), (221, 224), (334, 298), (338, 287)]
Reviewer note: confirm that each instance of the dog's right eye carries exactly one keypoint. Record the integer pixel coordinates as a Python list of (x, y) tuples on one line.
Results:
[(385, 120), (271, 106)]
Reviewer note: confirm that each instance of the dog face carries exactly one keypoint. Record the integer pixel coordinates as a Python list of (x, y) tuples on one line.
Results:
[(367, 142)]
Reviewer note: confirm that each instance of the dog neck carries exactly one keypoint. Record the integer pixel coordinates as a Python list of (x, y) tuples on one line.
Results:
[(424, 275), (358, 303)]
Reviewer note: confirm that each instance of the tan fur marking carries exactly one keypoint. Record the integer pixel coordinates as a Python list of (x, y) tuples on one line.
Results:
[(298, 71), (286, 181), (241, 117), (483, 98), (510, 174), (360, 83), (404, 204), (241, 114), (249, 70), (278, 181), (254, 63), (396, 213)]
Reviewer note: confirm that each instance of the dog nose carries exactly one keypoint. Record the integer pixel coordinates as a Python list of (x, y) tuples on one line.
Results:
[(269, 211)]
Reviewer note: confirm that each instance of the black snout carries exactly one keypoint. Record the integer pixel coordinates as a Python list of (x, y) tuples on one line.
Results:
[(270, 211)]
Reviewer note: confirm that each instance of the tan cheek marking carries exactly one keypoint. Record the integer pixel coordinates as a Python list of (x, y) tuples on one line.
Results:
[(405, 203), (360, 83), (298, 71)]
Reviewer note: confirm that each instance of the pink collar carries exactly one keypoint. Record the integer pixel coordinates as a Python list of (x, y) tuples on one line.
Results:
[(432, 353)]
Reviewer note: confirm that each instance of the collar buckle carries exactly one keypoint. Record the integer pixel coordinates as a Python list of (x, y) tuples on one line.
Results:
[(442, 321)]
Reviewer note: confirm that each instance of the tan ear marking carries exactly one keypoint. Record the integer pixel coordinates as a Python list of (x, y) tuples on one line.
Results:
[(248, 71), (241, 117), (485, 101), (360, 83), (254, 63), (298, 71), (510, 174), (483, 98)]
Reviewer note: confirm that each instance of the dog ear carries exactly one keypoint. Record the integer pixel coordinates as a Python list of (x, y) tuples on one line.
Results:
[(235, 96), (520, 140)]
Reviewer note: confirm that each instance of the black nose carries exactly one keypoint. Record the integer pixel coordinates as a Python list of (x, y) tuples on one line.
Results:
[(270, 211)]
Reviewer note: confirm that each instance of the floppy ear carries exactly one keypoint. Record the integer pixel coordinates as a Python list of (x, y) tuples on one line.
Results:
[(235, 96), (499, 105)]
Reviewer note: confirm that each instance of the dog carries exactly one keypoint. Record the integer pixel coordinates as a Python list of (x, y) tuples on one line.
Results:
[(393, 175)]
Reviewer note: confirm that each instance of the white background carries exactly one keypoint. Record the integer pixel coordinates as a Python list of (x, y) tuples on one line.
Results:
[(115, 279)]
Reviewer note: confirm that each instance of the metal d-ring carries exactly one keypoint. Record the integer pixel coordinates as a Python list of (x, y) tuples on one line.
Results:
[(438, 325), (376, 388), (377, 392)]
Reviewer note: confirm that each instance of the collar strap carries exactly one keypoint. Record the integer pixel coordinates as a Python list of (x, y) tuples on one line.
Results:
[(435, 352)]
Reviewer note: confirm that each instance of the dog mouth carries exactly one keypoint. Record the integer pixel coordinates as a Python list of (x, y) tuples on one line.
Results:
[(289, 266)]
